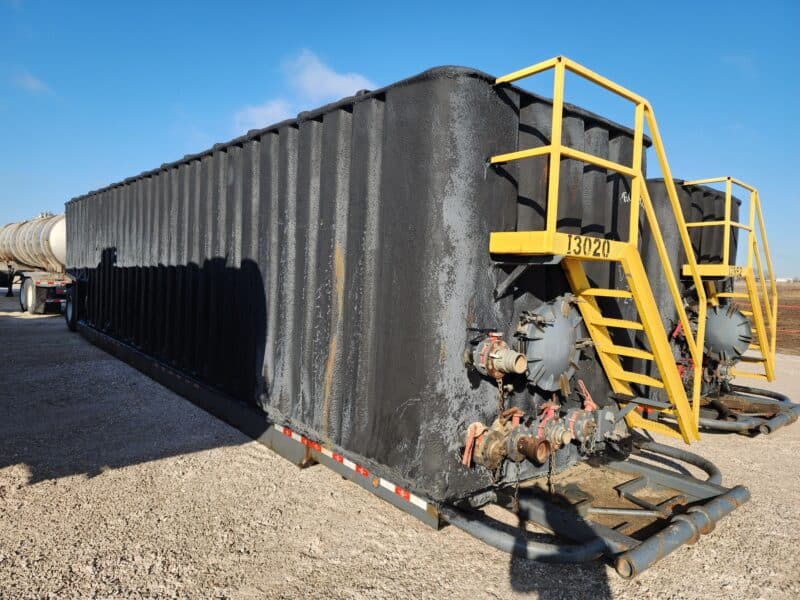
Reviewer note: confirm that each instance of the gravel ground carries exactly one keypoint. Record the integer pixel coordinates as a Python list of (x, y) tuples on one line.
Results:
[(112, 486)]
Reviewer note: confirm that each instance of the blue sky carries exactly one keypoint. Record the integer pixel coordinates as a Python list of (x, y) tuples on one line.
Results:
[(91, 93)]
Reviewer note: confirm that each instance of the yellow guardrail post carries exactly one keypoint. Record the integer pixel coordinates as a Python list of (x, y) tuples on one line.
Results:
[(697, 343), (636, 181), (726, 240), (555, 148)]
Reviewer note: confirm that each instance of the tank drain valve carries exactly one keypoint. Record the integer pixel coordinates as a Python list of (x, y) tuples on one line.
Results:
[(536, 451), (493, 358)]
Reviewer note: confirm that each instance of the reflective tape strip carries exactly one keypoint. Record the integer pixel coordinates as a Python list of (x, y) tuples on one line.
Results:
[(418, 502), (384, 483)]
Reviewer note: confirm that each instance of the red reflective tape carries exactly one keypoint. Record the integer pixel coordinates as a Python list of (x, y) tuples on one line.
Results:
[(287, 432), (337, 457), (310, 444), (362, 471), (404, 494)]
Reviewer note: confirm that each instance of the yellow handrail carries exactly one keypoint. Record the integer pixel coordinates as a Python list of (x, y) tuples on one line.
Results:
[(556, 150), (768, 298)]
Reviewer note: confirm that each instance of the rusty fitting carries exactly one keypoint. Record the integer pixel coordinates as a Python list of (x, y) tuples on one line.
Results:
[(492, 357), (535, 450), (491, 449), (508, 361), (557, 434)]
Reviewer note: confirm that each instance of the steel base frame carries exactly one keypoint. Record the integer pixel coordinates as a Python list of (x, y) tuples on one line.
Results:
[(785, 413), (693, 511)]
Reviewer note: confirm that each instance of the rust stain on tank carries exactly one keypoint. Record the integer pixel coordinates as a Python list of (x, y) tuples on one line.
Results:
[(338, 271)]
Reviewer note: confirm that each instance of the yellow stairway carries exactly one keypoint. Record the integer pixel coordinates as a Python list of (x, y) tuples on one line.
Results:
[(760, 287), (575, 250)]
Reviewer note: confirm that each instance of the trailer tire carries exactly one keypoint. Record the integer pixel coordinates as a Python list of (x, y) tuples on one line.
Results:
[(71, 311), (23, 295), (35, 297)]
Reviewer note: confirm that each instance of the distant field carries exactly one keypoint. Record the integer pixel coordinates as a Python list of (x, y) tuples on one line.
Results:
[(788, 317)]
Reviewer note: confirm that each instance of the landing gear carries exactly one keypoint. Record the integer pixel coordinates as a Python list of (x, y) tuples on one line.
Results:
[(10, 282)]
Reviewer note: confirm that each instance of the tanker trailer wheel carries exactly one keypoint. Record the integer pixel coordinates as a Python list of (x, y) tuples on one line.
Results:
[(34, 297), (71, 310), (23, 294)]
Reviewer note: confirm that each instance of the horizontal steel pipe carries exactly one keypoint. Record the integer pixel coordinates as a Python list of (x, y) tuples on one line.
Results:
[(784, 418), (684, 529), (789, 411)]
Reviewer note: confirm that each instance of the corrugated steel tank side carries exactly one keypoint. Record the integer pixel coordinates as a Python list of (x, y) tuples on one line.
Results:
[(332, 269), (699, 203)]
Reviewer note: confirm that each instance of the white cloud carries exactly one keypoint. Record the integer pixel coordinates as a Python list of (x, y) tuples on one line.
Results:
[(254, 117), (30, 83), (317, 82), (311, 83)]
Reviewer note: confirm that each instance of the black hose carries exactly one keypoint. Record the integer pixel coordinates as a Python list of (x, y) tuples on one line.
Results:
[(781, 398), (714, 474), (741, 424), (520, 545)]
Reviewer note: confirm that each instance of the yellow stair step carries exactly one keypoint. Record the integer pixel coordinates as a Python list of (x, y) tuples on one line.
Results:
[(747, 313), (737, 373), (606, 293), (752, 359), (625, 351), (636, 378), (732, 295), (618, 323)]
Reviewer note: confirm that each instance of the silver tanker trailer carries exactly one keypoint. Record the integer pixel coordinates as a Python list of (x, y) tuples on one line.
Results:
[(34, 253)]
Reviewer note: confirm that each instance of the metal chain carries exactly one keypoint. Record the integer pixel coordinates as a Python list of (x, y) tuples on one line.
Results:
[(501, 400), (550, 472), (588, 444)]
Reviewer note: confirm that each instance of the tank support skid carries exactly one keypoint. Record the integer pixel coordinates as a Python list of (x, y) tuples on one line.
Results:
[(605, 509), (584, 529), (750, 410)]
